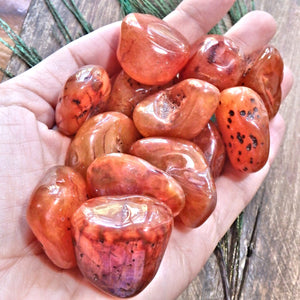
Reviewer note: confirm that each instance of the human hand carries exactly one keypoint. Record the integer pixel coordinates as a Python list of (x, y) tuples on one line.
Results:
[(28, 148)]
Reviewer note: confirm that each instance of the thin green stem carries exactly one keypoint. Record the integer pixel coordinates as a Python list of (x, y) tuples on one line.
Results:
[(60, 23), (224, 276), (250, 249), (28, 55), (17, 52), (72, 7), (6, 73)]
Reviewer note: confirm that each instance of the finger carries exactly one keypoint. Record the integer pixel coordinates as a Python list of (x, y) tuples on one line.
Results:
[(287, 82), (277, 129), (253, 31), (197, 17)]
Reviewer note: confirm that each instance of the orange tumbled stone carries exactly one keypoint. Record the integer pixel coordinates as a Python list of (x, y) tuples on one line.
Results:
[(182, 110), (83, 95), (185, 162), (120, 241), (122, 174), (56, 197), (107, 132), (264, 75), (218, 60), (149, 50), (211, 143)]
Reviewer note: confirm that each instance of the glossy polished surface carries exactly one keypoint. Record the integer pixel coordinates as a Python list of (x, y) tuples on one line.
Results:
[(85, 93), (120, 241), (218, 61), (126, 93), (150, 51), (210, 142), (185, 162), (264, 75), (59, 193), (244, 123), (123, 174), (179, 111), (104, 133)]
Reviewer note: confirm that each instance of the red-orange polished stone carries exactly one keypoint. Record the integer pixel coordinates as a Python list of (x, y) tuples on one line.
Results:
[(124, 174), (244, 124), (85, 93), (104, 133), (210, 142), (218, 60), (150, 51), (184, 161), (59, 193), (180, 111), (120, 241), (264, 75), (126, 93)]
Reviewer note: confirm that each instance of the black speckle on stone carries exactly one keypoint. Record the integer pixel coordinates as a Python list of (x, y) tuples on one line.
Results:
[(231, 113), (248, 147), (82, 114), (240, 138), (252, 100), (254, 140), (250, 115), (245, 169), (76, 101), (251, 160), (232, 137), (242, 113), (229, 120), (211, 59), (240, 152)]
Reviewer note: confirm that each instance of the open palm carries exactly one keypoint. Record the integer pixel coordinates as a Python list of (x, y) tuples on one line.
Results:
[(28, 148)]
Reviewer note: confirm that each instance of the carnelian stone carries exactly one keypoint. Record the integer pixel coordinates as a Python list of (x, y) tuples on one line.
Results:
[(151, 51), (85, 93), (126, 93), (104, 133), (218, 60), (185, 162), (264, 75), (179, 111), (123, 174), (59, 193), (120, 241), (244, 124), (210, 142)]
